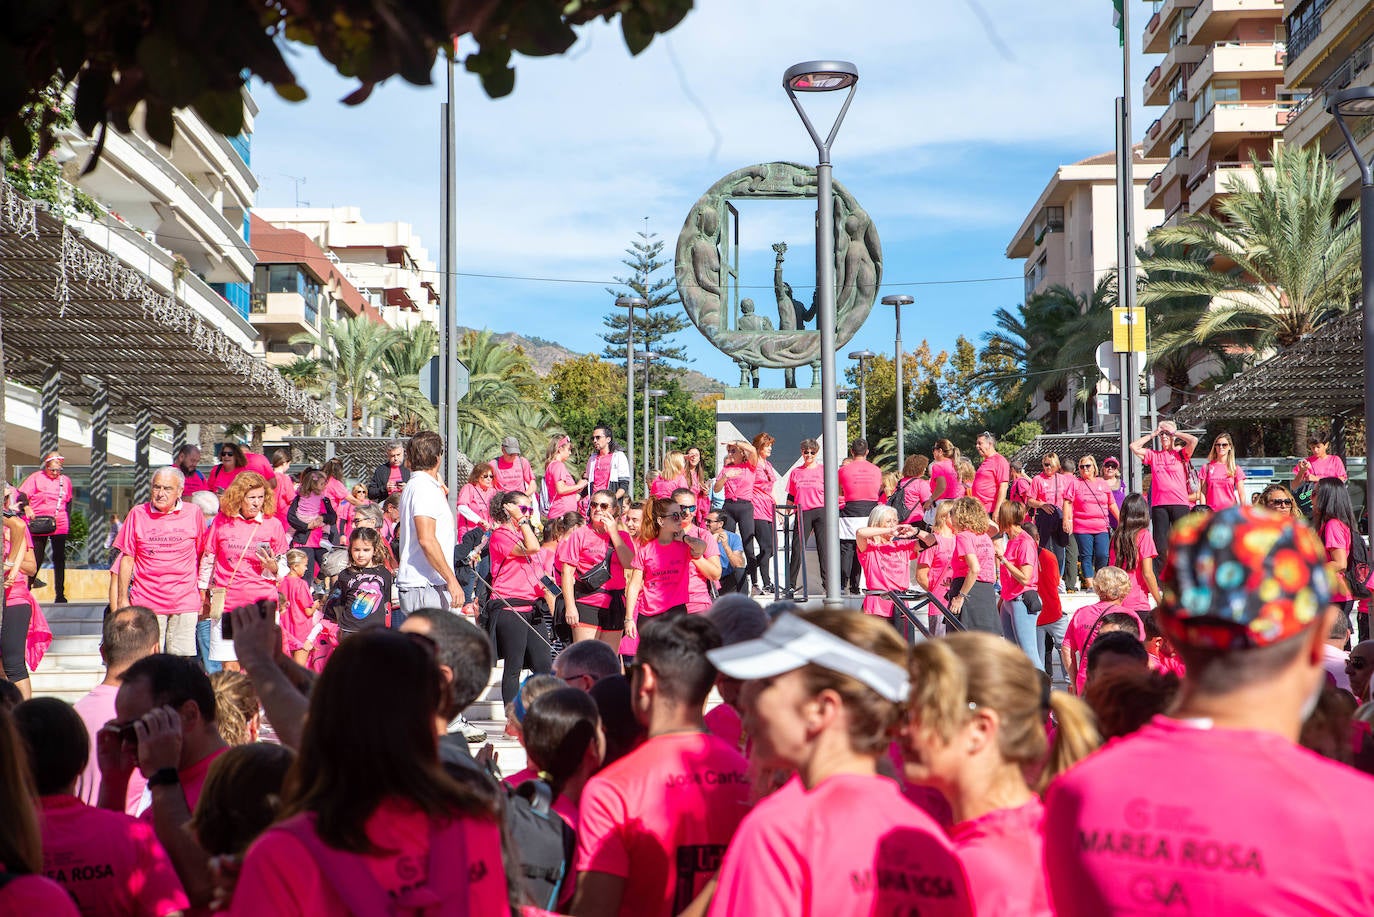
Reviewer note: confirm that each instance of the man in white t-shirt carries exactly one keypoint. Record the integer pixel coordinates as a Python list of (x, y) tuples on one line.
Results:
[(425, 576)]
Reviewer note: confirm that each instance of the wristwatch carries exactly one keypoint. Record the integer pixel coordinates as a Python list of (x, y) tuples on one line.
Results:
[(164, 776)]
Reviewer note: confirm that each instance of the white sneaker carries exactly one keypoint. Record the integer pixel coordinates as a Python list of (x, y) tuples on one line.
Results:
[(473, 734)]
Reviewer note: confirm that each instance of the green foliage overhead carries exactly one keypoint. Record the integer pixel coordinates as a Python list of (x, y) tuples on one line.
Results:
[(169, 54)]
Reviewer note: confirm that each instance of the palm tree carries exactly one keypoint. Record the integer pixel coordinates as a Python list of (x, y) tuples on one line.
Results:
[(409, 409), (1274, 263), (352, 350)]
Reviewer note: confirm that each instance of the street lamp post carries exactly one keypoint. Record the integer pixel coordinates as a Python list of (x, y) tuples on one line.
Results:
[(863, 356), (659, 421), (826, 76), (650, 411), (1358, 102), (899, 300), (629, 302), (647, 357)]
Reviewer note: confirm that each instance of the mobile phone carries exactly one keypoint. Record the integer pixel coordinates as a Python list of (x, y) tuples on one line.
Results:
[(226, 623), (128, 735), (550, 585)]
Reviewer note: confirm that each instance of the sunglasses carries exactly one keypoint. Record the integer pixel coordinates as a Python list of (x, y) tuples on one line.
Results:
[(488, 476), (1223, 445), (1046, 465), (808, 452), (1276, 504), (601, 506), (226, 455), (678, 516), (1355, 662), (688, 507), (526, 510), (1087, 465)]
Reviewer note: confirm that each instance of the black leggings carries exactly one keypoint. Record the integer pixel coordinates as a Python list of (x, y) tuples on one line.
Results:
[(766, 537), (1162, 519), (519, 645), (742, 511), (809, 522), (59, 561), (313, 556), (14, 637)]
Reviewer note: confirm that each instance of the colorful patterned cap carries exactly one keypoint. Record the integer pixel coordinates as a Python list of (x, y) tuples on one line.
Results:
[(1240, 578)]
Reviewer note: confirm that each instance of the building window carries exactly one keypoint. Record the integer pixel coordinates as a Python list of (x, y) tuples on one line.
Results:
[(1304, 25), (1049, 219), (1036, 275), (1178, 146)]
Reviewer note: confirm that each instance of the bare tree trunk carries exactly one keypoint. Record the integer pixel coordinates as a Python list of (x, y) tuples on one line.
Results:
[(207, 439), (255, 437), (1300, 436)]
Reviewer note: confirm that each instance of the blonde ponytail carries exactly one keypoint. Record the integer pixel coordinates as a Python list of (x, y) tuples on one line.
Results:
[(1075, 736)]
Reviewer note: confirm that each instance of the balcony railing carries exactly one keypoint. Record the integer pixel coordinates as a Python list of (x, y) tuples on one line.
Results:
[(1153, 77), (1153, 130), (1340, 78), (1304, 25)]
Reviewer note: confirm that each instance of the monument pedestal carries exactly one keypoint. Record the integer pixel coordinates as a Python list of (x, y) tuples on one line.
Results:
[(789, 415)]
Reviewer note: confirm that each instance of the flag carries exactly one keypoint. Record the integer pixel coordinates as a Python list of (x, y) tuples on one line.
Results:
[(1119, 22)]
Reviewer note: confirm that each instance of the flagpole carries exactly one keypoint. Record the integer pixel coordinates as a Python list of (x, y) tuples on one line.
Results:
[(1126, 279)]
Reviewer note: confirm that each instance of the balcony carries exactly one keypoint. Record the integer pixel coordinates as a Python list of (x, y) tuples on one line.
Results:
[(1231, 60), (1158, 29), (1215, 19), (280, 315), (1165, 181), (1156, 145), (1309, 119), (1235, 120), (1180, 55), (1216, 180)]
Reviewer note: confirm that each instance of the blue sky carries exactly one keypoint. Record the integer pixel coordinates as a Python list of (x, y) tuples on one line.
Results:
[(963, 111)]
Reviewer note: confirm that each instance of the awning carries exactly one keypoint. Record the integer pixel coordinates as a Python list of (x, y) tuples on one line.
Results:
[(1321, 375), (66, 300)]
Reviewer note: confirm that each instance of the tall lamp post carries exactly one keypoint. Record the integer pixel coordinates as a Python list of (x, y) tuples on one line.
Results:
[(648, 357), (863, 356), (630, 302), (899, 300), (650, 411), (659, 421), (1358, 102), (826, 76)]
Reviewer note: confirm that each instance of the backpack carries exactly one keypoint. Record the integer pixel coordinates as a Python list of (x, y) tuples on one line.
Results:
[(544, 842), (898, 499), (541, 498), (1357, 570)]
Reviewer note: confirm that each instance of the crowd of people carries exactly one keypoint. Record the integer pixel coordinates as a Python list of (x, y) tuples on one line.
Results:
[(279, 729)]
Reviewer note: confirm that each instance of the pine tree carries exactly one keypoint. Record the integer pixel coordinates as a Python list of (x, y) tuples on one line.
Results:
[(645, 259)]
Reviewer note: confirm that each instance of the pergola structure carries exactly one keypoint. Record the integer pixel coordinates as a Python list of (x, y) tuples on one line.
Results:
[(1070, 447), (360, 454), (1321, 375), (84, 326)]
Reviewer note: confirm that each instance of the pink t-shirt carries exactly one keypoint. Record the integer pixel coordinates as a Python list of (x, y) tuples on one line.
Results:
[(1219, 485), (698, 586), (723, 722), (1336, 537), (806, 487), (296, 612), (584, 548), (192, 780), (1053, 489), (233, 545), (1091, 499), (166, 548), (27, 895), (1020, 551), (1168, 477), (943, 470), (990, 476), (221, 477), (851, 846), (667, 575), (886, 567), (739, 481), (600, 473), (662, 488), (511, 472), (1079, 634), (1329, 466), (478, 501), (860, 481), (17, 593), (917, 495), (1180, 818), (1138, 599), (111, 864), (49, 497), (281, 876), (558, 473), (765, 476), (96, 709), (256, 461), (1002, 854), (940, 559), (512, 576), (286, 492), (661, 817), (980, 546)]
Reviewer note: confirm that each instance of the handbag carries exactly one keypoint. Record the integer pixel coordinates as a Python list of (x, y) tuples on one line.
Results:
[(43, 525), (595, 577)]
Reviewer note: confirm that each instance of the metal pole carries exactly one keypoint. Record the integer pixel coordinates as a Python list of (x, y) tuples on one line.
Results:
[(863, 399), (630, 394), (450, 291), (1125, 282), (648, 418), (825, 283), (901, 398)]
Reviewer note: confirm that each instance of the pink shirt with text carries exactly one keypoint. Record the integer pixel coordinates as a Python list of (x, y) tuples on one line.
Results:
[(1183, 818), (661, 817), (994, 471), (666, 569), (584, 548), (1138, 599), (1053, 489), (1020, 551), (233, 545), (166, 548), (512, 576), (1091, 500), (1168, 476), (887, 567), (739, 481), (980, 546), (851, 846), (111, 864), (860, 481), (512, 472), (1219, 485), (806, 487), (1001, 852)]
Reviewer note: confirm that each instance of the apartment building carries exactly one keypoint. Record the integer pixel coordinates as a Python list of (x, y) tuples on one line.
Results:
[(386, 262), (1330, 47), (297, 287), (1069, 239), (1221, 85)]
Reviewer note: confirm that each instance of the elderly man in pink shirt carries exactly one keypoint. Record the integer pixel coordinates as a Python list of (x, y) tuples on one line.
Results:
[(160, 545)]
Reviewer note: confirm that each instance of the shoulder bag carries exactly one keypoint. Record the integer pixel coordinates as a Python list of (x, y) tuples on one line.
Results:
[(218, 593)]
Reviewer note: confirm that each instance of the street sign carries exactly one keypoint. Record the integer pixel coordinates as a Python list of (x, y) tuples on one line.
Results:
[(1128, 329)]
